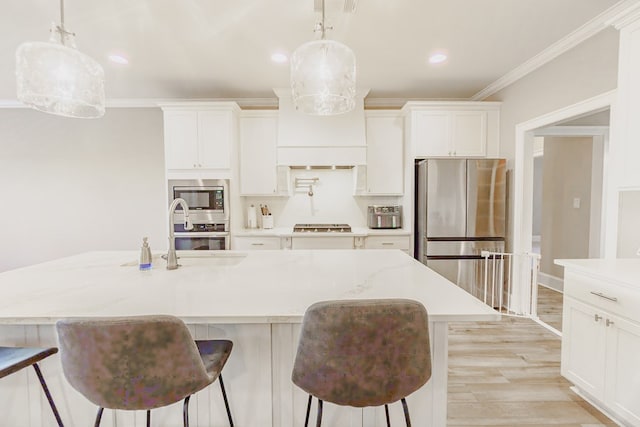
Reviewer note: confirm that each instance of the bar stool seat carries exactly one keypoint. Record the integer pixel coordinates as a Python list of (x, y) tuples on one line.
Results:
[(13, 359)]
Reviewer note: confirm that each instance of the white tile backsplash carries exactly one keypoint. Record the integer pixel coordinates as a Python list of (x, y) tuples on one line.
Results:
[(332, 201)]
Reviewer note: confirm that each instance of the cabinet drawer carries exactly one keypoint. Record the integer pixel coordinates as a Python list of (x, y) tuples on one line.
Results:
[(387, 242), (611, 297), (256, 243), (322, 242)]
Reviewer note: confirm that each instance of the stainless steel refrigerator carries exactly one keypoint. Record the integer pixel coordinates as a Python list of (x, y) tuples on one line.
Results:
[(460, 212)]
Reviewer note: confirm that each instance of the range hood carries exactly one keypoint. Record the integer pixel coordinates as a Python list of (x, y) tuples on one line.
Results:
[(305, 140)]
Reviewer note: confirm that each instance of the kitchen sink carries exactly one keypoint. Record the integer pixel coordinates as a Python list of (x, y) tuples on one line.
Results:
[(218, 258)]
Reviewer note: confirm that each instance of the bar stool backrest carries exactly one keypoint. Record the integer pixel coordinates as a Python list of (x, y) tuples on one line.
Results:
[(132, 363), (363, 352)]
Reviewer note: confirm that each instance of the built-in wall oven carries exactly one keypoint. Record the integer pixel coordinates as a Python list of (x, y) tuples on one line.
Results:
[(208, 202)]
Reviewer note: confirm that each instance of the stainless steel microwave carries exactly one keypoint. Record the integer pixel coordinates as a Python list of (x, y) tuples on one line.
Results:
[(208, 199)]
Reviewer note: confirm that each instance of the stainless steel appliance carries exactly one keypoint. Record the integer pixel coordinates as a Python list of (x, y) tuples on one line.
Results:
[(208, 199), (460, 212), (208, 202), (322, 228), (384, 216), (208, 237)]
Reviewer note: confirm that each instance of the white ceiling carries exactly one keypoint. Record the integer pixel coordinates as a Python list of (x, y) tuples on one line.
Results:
[(221, 48)]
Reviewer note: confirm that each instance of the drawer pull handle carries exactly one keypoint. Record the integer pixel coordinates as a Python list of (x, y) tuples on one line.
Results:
[(387, 244), (609, 322), (257, 244), (601, 295), (596, 317)]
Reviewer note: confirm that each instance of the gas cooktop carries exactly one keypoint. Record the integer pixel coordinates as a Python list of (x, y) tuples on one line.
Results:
[(322, 228)]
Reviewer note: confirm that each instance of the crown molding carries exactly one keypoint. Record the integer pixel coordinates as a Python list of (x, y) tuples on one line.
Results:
[(243, 103), (609, 17), (626, 16)]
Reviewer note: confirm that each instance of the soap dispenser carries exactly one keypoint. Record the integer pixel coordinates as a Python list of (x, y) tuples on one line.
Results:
[(145, 255)]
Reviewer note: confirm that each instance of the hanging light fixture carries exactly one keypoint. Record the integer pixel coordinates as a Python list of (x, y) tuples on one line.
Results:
[(323, 75), (56, 78)]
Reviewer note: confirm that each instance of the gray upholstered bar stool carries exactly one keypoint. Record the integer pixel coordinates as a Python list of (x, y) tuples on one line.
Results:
[(363, 353), (139, 363), (13, 359)]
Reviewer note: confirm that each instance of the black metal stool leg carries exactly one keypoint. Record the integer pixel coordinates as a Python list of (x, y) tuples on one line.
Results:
[(185, 411), (226, 402), (306, 418), (319, 420), (148, 418), (386, 413), (98, 417), (406, 412), (46, 392)]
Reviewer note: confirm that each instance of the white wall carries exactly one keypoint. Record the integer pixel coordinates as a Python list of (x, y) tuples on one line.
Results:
[(566, 177), (587, 70), (73, 185)]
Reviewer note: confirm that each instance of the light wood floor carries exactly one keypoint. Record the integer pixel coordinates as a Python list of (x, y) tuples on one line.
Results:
[(507, 373), (550, 307)]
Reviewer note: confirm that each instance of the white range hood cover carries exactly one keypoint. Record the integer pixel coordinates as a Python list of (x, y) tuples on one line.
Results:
[(305, 140)]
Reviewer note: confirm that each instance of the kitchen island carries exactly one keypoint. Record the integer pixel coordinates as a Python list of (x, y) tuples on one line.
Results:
[(257, 299)]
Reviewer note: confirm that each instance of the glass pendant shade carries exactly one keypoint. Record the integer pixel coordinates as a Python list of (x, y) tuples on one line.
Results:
[(323, 78), (54, 77)]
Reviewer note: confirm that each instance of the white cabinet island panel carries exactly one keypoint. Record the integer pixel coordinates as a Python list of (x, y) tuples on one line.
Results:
[(255, 298)]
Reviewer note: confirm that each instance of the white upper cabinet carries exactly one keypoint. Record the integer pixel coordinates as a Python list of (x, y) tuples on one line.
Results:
[(199, 137), (453, 129), (259, 173), (258, 139), (624, 116), (384, 169)]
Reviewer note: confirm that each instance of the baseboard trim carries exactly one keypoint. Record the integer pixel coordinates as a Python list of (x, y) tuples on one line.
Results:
[(550, 281), (593, 402)]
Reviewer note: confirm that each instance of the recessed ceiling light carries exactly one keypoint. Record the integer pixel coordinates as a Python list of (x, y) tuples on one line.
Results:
[(437, 58), (279, 58), (118, 59)]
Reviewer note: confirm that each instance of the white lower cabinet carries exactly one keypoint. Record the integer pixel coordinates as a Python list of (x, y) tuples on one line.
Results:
[(255, 243), (322, 242), (600, 349), (388, 242)]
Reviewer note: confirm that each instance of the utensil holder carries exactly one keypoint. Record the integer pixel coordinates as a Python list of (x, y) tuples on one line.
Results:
[(267, 221)]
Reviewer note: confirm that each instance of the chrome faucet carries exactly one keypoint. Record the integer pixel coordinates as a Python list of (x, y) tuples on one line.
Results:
[(172, 259)]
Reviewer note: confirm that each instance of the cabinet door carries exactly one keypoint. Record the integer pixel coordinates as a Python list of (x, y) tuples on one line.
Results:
[(215, 134), (583, 346), (469, 133), (181, 139), (431, 133), (627, 126), (385, 155), (258, 139), (623, 374)]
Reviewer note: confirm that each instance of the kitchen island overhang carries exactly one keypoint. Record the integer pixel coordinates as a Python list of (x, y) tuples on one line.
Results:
[(257, 299)]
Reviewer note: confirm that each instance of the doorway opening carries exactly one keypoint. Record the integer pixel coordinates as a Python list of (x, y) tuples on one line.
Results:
[(567, 202), (566, 153)]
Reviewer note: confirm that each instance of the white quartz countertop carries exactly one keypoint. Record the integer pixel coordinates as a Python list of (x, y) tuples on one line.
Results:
[(288, 232), (226, 286), (625, 271)]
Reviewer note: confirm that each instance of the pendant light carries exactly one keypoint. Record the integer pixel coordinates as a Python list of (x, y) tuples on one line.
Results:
[(54, 77), (323, 75)]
